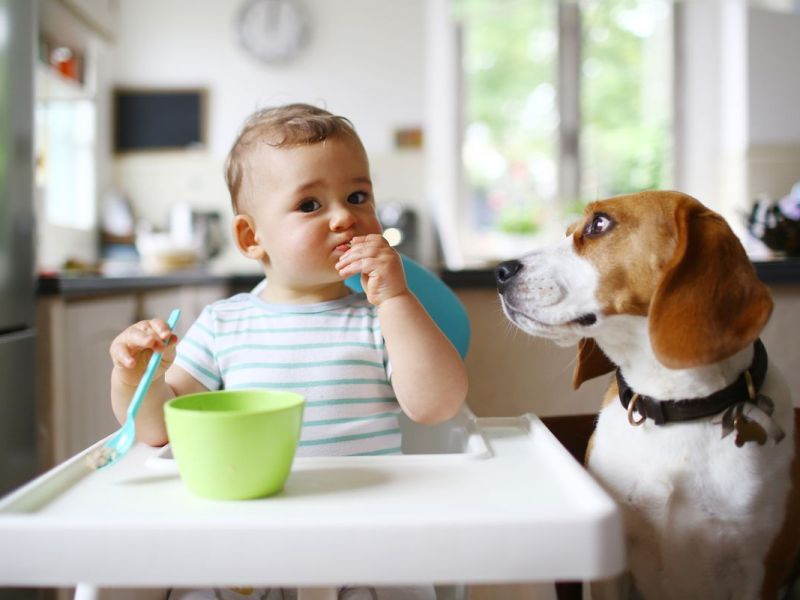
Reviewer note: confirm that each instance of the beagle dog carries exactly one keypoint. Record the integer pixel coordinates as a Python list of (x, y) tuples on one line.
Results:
[(695, 438)]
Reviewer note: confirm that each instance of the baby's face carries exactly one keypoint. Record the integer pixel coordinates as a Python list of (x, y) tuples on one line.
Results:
[(307, 203)]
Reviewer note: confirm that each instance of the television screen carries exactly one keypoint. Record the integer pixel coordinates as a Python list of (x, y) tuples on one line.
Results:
[(158, 119)]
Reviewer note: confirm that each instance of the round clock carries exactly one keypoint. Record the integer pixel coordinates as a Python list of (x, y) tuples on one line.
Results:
[(273, 30)]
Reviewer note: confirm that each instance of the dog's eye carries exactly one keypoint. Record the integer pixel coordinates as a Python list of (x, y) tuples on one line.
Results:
[(599, 224)]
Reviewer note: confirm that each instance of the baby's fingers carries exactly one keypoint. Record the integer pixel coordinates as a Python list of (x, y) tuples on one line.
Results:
[(151, 334), (372, 239), (121, 356), (354, 260), (144, 335), (164, 334)]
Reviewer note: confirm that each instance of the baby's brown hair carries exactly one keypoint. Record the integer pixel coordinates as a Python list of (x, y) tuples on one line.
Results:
[(281, 127)]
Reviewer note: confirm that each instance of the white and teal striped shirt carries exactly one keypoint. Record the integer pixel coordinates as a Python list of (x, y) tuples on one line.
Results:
[(331, 352)]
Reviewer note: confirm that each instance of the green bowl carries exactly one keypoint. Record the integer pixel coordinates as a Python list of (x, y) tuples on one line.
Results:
[(234, 444)]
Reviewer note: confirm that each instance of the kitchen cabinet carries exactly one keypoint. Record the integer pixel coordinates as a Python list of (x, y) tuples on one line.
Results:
[(190, 299), (101, 15), (51, 86), (74, 365)]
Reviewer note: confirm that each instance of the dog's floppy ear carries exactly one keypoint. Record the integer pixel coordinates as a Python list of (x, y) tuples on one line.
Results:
[(591, 362), (709, 303)]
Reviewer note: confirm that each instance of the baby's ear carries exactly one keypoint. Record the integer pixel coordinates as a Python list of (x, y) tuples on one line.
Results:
[(244, 234)]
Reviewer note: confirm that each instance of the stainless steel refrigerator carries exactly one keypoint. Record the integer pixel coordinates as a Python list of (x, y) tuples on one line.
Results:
[(18, 461)]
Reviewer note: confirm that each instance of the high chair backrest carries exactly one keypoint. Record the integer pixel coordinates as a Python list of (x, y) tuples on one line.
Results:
[(439, 300)]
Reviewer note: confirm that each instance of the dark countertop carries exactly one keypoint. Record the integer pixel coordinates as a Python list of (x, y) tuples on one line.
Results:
[(73, 286), (783, 271), (775, 272)]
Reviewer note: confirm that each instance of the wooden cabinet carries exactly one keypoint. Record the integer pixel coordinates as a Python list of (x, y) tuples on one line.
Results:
[(190, 299), (89, 326), (75, 367)]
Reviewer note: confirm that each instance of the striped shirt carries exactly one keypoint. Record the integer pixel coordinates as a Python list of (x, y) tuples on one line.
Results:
[(331, 352)]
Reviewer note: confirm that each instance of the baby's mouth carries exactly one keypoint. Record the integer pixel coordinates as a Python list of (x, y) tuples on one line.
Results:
[(343, 247)]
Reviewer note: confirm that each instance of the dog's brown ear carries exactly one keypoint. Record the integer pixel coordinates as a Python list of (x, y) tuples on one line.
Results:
[(709, 303), (591, 362)]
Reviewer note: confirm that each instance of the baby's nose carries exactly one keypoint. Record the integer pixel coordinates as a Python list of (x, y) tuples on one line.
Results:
[(342, 218)]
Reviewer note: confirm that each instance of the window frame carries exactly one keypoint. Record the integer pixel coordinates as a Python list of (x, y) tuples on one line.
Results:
[(446, 124)]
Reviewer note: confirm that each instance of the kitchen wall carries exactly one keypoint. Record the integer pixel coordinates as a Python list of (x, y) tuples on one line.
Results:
[(364, 60), (739, 132), (389, 65), (773, 158)]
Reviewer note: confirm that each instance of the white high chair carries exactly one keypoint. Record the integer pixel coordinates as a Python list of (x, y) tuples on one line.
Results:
[(453, 436), (449, 314), (480, 501)]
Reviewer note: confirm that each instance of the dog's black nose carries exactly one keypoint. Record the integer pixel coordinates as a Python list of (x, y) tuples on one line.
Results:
[(505, 271)]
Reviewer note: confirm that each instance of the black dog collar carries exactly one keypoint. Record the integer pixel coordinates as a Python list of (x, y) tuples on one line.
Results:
[(671, 411)]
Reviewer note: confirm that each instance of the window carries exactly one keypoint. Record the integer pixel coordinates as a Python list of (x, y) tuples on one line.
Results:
[(562, 103), (65, 131), (509, 148), (626, 84)]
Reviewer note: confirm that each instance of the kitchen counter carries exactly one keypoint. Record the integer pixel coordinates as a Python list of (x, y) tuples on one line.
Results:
[(72, 286), (771, 272), (781, 271)]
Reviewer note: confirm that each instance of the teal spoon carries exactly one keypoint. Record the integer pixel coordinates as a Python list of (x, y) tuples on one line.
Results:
[(122, 441)]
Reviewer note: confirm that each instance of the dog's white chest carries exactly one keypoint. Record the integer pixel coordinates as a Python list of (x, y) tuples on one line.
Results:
[(684, 467), (698, 515)]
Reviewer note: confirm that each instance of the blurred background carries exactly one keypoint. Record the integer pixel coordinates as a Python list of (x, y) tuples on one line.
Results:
[(488, 123)]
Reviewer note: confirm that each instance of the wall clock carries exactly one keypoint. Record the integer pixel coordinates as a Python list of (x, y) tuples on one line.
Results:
[(273, 31)]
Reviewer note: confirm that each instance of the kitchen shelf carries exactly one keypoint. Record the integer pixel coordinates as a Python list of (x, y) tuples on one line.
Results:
[(53, 86)]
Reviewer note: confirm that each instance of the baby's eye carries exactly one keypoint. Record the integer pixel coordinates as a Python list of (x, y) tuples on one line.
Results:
[(309, 205), (358, 198)]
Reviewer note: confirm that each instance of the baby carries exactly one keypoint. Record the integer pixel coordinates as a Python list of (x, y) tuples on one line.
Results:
[(304, 209)]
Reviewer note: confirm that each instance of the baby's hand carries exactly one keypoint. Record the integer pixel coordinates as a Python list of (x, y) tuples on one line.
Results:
[(131, 350), (381, 268)]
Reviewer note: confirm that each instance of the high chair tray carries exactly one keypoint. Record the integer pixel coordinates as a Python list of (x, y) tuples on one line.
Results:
[(517, 508)]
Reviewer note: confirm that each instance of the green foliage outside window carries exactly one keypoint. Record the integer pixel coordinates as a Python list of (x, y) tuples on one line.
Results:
[(508, 61), (511, 114), (626, 96)]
